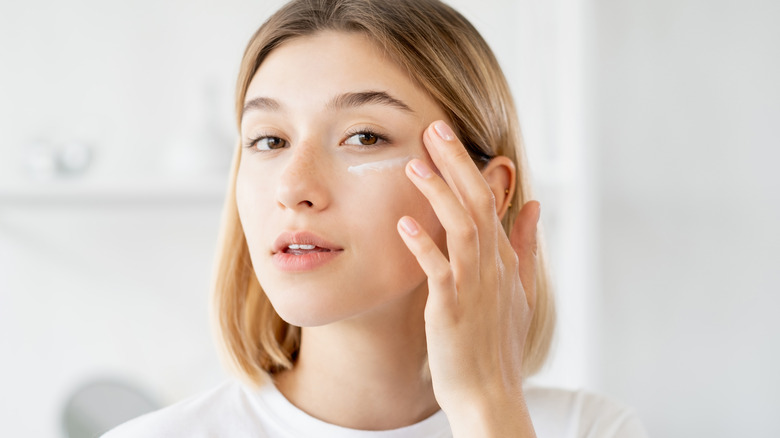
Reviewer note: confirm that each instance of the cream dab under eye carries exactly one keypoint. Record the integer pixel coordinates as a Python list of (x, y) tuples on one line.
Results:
[(379, 166)]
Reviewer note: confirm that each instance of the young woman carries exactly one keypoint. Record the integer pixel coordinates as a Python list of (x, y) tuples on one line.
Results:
[(379, 273)]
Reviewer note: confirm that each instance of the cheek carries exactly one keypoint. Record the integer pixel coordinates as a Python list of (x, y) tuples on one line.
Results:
[(401, 272), (244, 197), (384, 198), (252, 199)]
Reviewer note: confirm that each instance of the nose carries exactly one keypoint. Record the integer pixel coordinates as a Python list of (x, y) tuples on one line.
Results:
[(302, 183)]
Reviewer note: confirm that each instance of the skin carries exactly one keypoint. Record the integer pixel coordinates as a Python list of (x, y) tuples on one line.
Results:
[(425, 270)]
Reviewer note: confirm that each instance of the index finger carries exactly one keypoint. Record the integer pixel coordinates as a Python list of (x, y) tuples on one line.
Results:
[(460, 172)]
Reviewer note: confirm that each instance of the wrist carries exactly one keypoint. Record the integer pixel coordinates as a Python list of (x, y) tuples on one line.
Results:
[(498, 416)]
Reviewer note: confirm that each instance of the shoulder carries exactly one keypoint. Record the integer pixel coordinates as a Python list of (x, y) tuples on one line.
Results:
[(221, 411), (576, 413)]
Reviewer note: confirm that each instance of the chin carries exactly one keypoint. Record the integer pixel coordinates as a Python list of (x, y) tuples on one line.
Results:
[(304, 311), (300, 318), (304, 302)]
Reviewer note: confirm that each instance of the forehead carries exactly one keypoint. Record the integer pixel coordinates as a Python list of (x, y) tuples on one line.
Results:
[(310, 70)]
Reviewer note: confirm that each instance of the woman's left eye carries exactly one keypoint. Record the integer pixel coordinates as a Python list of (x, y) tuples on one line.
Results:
[(363, 139)]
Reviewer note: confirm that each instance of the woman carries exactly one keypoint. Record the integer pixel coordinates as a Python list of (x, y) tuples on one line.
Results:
[(378, 272)]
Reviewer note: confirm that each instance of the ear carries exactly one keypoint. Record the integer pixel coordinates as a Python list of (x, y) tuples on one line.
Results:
[(500, 174)]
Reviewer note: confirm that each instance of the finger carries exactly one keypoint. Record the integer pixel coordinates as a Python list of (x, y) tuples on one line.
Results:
[(469, 184), (437, 159), (442, 292), (462, 233), (523, 241), (461, 174)]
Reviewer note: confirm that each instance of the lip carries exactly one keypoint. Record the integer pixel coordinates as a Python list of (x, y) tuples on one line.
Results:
[(302, 238), (302, 262)]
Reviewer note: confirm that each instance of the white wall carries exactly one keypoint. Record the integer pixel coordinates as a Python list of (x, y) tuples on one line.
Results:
[(686, 106), (102, 289)]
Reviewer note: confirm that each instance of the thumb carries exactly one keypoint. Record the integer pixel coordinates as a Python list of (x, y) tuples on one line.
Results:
[(523, 241)]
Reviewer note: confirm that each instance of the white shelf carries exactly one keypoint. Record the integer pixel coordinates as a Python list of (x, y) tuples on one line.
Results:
[(146, 190)]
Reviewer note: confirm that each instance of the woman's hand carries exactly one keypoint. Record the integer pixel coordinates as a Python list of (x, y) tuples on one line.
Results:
[(480, 301)]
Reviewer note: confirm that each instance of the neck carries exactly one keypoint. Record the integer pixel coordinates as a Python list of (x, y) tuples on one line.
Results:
[(366, 372)]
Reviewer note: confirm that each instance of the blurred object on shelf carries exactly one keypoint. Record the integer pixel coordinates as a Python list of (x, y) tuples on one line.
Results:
[(41, 160), (47, 160), (74, 157), (101, 405)]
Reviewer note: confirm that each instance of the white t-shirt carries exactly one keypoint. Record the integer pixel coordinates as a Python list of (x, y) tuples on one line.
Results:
[(234, 410)]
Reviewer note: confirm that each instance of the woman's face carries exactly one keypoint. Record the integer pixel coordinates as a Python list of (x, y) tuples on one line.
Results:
[(329, 123)]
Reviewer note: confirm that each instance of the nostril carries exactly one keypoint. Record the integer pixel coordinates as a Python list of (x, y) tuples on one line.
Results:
[(308, 203)]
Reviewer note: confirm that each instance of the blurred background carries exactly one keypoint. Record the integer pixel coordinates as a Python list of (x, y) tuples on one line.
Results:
[(651, 127)]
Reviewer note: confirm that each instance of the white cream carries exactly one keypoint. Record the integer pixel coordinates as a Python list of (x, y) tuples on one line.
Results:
[(378, 166)]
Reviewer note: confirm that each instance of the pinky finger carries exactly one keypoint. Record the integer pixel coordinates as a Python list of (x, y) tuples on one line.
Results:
[(442, 292)]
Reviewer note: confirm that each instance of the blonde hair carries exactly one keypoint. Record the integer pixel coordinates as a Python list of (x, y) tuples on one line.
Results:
[(447, 57)]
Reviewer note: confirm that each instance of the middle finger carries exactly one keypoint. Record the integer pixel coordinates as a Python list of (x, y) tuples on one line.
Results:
[(462, 234), (461, 174)]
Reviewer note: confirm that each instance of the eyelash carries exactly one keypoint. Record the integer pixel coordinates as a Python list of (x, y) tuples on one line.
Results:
[(384, 139)]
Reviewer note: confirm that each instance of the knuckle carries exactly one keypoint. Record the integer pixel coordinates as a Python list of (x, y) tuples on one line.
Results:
[(513, 261), (467, 231), (488, 201), (443, 276), (461, 154), (440, 188), (429, 249)]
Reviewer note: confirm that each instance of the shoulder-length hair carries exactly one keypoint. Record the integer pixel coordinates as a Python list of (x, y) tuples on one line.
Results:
[(446, 56)]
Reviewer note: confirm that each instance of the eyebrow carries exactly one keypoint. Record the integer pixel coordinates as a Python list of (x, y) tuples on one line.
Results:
[(342, 101), (262, 103), (354, 100)]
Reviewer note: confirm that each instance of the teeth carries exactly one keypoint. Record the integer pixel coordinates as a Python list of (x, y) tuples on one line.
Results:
[(301, 246)]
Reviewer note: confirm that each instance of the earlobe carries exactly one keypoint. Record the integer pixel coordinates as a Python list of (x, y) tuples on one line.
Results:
[(500, 174)]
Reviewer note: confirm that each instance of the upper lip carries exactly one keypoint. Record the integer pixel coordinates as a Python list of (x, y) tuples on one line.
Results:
[(301, 238)]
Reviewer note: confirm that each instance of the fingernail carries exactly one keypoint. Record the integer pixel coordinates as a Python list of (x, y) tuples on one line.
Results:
[(409, 226), (538, 213), (444, 131), (420, 169)]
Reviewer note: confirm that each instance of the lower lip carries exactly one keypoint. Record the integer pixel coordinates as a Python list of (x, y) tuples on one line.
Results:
[(304, 262)]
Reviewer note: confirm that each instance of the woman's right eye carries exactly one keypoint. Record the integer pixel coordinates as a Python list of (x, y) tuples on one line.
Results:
[(269, 143)]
